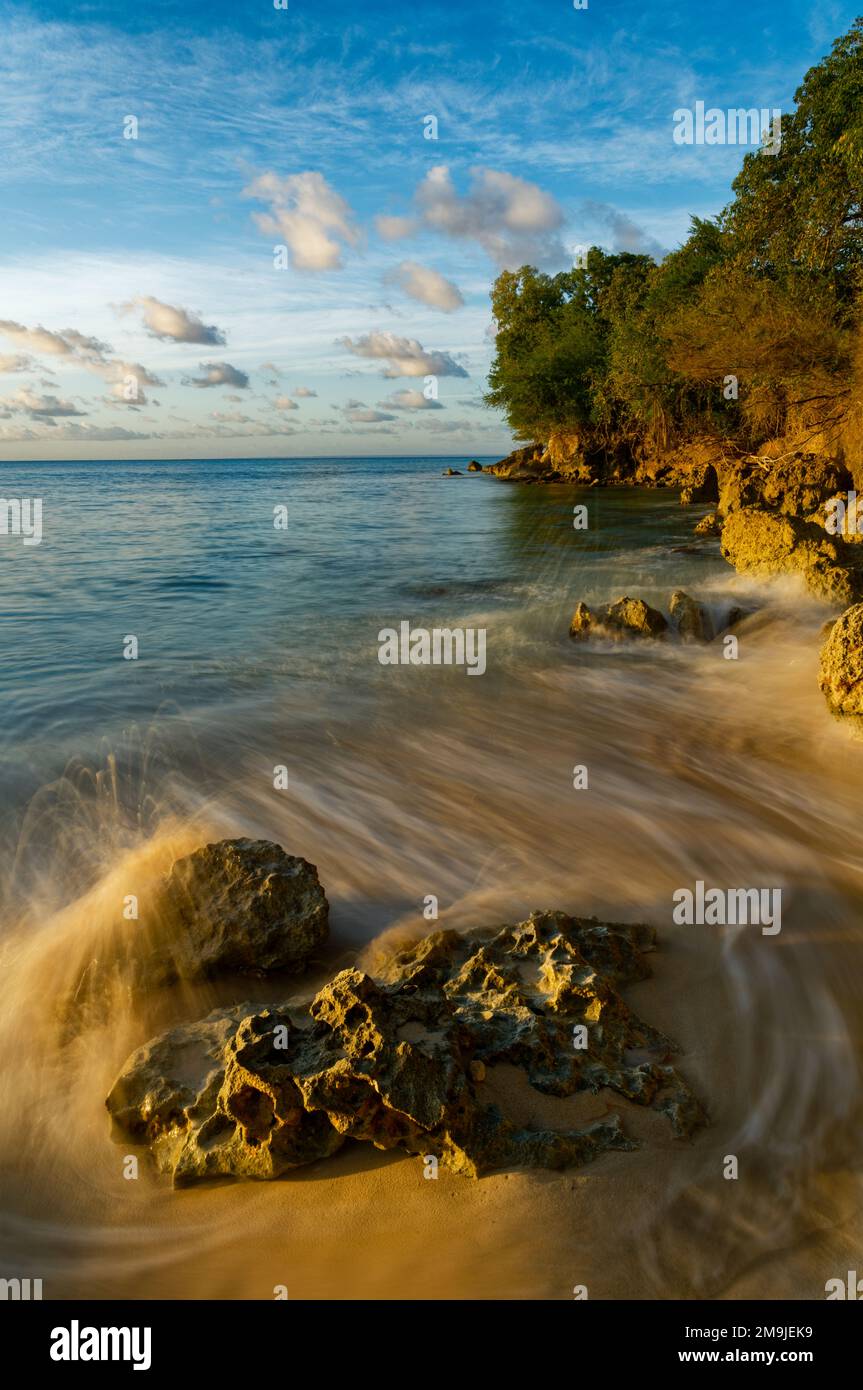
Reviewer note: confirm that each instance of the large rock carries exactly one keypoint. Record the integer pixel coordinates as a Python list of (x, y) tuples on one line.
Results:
[(474, 466), (626, 617), (798, 486), (841, 675), (400, 1060), (759, 542), (236, 906), (690, 618), (239, 905)]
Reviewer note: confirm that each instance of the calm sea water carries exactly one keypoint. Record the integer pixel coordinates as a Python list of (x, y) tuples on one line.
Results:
[(185, 556)]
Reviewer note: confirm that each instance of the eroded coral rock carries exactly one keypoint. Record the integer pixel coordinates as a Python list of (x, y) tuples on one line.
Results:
[(626, 617), (400, 1060), (760, 542), (237, 905), (841, 674), (796, 486)]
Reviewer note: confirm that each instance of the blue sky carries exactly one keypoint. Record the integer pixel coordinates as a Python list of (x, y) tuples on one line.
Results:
[(141, 310)]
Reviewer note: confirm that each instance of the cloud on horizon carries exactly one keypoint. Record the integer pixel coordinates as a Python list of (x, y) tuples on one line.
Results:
[(218, 374)]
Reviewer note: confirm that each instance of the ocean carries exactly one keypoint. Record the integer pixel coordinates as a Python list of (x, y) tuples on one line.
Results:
[(258, 649)]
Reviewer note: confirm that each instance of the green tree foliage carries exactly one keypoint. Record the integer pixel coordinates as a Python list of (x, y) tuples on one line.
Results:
[(622, 350)]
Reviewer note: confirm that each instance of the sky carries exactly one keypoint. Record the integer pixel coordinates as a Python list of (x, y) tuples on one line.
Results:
[(237, 230)]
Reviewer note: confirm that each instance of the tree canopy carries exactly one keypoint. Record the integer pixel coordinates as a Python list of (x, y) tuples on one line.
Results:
[(770, 292)]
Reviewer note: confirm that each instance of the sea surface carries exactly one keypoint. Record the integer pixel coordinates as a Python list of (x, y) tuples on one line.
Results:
[(258, 649)]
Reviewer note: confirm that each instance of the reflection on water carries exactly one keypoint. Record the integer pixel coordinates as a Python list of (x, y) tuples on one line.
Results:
[(406, 782)]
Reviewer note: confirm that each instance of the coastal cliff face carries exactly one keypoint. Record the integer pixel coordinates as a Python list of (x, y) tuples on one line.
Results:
[(795, 475)]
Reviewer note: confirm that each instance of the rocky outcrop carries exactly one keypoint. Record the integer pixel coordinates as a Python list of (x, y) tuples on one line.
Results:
[(626, 617), (402, 1059), (797, 486), (451, 473), (474, 466), (690, 618), (759, 542), (841, 674)]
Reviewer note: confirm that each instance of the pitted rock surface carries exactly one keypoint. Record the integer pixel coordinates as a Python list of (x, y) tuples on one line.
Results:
[(398, 1060)]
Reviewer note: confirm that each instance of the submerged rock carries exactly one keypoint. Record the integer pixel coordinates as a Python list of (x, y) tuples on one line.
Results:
[(756, 541), (238, 905), (451, 473), (690, 618), (841, 674), (399, 1060), (626, 617)]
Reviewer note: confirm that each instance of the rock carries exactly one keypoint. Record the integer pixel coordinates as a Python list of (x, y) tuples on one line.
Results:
[(626, 617), (474, 467), (710, 525), (841, 675), (239, 905), (401, 1059), (706, 489), (451, 473), (736, 614), (796, 487), (759, 542), (690, 618)]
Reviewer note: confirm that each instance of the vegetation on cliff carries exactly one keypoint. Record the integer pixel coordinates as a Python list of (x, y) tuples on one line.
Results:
[(749, 331)]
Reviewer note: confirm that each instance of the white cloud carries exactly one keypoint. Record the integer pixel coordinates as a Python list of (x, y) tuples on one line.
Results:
[(218, 374), (68, 343), (625, 233), (513, 220), (304, 393), (40, 407), (16, 363), (406, 356), (394, 228), (308, 215), (409, 400), (457, 426), (426, 285), (173, 324), (285, 403), (360, 414)]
